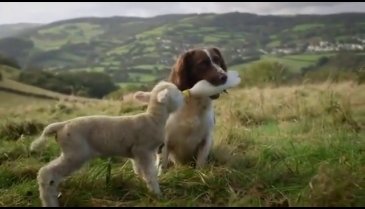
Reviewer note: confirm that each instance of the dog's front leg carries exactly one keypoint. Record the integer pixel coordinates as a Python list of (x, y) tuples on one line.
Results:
[(203, 151)]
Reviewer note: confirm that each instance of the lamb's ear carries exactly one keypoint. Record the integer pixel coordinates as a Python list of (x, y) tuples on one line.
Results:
[(142, 96), (162, 96)]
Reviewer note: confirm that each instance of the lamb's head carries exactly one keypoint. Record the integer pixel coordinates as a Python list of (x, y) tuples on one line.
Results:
[(165, 93)]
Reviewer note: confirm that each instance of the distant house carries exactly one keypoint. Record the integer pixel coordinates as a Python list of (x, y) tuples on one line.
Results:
[(166, 41), (283, 51), (325, 46)]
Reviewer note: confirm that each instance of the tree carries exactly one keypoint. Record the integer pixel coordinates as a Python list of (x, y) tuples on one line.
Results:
[(9, 62), (92, 84), (322, 61), (265, 72), (16, 48)]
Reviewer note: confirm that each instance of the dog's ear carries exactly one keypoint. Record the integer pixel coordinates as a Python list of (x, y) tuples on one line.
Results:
[(222, 62), (142, 96), (180, 72), (162, 96)]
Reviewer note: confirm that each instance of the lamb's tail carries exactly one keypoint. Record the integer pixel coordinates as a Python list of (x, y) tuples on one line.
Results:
[(50, 129)]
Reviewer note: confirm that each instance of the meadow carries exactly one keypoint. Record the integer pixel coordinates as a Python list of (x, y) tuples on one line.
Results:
[(290, 144), (299, 145)]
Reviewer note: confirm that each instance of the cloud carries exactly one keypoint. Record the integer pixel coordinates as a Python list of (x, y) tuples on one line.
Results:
[(45, 12)]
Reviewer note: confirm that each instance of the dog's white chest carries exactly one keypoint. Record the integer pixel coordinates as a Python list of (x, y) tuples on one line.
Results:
[(192, 124)]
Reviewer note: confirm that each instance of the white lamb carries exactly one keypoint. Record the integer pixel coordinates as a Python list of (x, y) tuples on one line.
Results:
[(136, 137)]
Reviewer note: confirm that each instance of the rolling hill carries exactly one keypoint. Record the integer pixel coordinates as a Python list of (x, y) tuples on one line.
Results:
[(8, 30), (10, 88), (141, 50)]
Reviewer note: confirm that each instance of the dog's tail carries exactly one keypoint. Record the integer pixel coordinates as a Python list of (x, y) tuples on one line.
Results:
[(50, 129)]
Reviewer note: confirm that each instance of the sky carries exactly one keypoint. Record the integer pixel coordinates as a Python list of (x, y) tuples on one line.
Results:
[(46, 12)]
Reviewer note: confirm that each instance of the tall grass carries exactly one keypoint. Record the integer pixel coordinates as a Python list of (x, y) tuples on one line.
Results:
[(287, 146)]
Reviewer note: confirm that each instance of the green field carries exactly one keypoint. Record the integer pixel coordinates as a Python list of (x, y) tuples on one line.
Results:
[(158, 31), (13, 101), (293, 62), (304, 27), (9, 72), (6, 83), (115, 41), (12, 89), (287, 146), (55, 37), (91, 69), (150, 67), (275, 43), (142, 77), (300, 143), (211, 39)]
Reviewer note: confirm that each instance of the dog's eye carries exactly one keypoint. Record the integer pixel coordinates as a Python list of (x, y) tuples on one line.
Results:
[(216, 60), (206, 62)]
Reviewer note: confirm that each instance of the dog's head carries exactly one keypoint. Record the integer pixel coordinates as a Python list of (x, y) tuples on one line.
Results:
[(199, 64)]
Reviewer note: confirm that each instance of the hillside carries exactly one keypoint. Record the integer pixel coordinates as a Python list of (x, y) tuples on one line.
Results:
[(11, 89), (141, 50), (8, 30)]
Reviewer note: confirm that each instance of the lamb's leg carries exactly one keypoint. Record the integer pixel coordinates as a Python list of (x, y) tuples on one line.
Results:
[(136, 168), (203, 151), (50, 176), (158, 158), (165, 160), (146, 163), (158, 164)]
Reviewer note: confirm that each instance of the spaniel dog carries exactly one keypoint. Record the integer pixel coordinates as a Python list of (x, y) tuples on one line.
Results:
[(189, 131)]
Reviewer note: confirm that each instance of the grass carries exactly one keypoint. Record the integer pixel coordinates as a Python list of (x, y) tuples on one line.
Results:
[(149, 49), (344, 37), (288, 146), (293, 62), (305, 27), (89, 69), (14, 100), (223, 35), (9, 72), (142, 77), (239, 67), (125, 84), (44, 44), (119, 50), (150, 67), (296, 62), (207, 29), (211, 39), (157, 31), (11, 84), (55, 37), (275, 43), (309, 57), (23, 97)]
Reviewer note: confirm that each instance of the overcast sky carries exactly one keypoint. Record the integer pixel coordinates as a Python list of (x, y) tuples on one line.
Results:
[(46, 12)]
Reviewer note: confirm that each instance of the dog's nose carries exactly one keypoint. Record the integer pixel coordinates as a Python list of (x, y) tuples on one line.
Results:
[(223, 77)]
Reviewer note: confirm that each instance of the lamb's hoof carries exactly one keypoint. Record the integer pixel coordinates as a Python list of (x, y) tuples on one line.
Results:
[(59, 195), (159, 196)]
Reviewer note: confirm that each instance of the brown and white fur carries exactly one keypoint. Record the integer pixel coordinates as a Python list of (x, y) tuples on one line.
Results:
[(189, 131)]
